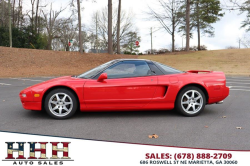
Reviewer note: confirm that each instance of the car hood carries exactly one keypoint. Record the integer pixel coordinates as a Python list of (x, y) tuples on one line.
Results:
[(56, 81)]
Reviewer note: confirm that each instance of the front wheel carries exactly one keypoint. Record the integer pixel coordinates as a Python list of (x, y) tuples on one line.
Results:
[(190, 101), (60, 103)]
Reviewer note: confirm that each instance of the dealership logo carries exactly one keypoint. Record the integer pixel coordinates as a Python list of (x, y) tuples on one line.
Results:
[(43, 152)]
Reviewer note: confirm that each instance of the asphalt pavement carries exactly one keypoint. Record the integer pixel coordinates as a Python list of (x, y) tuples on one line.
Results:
[(215, 128)]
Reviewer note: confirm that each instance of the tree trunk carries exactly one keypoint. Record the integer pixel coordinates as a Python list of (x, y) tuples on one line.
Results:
[(131, 42), (96, 33), (49, 43), (187, 24), (36, 20), (32, 15), (173, 40), (151, 40), (118, 28), (13, 13), (10, 29), (67, 47), (3, 12), (18, 14), (80, 26), (198, 27), (110, 42), (199, 36), (173, 31), (38, 24), (21, 13)]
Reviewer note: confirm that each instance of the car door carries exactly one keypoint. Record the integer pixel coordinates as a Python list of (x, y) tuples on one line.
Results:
[(130, 84)]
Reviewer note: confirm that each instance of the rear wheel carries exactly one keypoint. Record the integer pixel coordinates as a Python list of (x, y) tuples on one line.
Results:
[(190, 101), (60, 103)]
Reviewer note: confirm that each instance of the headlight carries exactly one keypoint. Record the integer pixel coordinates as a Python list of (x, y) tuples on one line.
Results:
[(24, 95)]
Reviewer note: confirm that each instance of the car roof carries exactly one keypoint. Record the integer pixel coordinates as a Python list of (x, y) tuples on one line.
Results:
[(132, 60)]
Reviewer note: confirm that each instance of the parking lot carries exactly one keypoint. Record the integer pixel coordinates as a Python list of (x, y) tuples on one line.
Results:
[(224, 126)]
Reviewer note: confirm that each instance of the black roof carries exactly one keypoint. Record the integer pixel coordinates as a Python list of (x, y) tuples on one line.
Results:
[(132, 60)]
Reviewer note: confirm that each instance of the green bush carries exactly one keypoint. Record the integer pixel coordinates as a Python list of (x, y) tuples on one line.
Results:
[(22, 38)]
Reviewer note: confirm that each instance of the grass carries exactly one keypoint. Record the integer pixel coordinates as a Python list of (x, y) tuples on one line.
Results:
[(231, 62), (16, 62)]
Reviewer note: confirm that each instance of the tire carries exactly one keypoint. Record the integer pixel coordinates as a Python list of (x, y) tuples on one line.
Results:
[(60, 103), (190, 101)]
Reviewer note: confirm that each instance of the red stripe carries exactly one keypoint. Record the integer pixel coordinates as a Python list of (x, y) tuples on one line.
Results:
[(65, 154), (54, 143), (32, 158), (10, 156), (54, 152), (21, 157), (65, 144), (43, 151), (38, 150)]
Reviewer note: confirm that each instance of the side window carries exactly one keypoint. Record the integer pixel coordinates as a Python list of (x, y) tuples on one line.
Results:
[(128, 69)]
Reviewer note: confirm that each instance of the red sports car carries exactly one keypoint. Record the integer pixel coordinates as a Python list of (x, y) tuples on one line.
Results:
[(127, 84)]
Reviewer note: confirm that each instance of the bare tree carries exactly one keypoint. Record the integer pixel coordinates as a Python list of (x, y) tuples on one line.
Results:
[(97, 43), (36, 19), (126, 26), (10, 29), (13, 13), (245, 40), (79, 25), (95, 29), (231, 47), (187, 24), (119, 27), (169, 15), (3, 14), (68, 32), (85, 40), (19, 14), (110, 38), (3, 11), (35, 14), (32, 13), (53, 24)]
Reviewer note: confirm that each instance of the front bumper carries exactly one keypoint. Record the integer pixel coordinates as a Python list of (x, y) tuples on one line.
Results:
[(36, 106), (28, 101)]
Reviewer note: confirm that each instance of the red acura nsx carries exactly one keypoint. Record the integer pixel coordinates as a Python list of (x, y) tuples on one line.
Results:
[(127, 84)]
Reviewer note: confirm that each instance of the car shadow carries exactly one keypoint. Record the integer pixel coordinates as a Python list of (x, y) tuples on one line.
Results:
[(107, 114), (117, 114), (126, 114), (36, 114)]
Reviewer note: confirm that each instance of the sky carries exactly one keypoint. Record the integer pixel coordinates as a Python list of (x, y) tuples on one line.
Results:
[(227, 30)]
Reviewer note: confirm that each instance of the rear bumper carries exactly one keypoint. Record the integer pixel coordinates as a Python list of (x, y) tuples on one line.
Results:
[(226, 92), (36, 106), (224, 95)]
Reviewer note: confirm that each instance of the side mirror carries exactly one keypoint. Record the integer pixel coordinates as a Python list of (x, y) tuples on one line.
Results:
[(102, 77)]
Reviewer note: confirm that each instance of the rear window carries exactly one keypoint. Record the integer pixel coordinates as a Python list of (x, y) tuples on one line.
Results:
[(167, 69)]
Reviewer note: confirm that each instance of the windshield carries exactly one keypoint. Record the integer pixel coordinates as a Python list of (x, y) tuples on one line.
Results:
[(93, 72)]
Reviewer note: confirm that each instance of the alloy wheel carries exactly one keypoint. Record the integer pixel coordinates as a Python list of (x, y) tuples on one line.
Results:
[(192, 101), (60, 104)]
